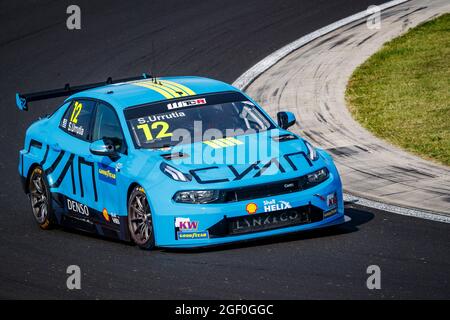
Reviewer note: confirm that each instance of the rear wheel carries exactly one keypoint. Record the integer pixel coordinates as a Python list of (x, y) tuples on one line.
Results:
[(40, 199), (140, 219)]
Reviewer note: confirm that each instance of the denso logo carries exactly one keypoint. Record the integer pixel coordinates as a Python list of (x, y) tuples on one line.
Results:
[(186, 103), (77, 207)]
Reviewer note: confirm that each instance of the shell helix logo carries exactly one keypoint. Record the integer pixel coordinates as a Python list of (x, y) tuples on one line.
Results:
[(251, 208)]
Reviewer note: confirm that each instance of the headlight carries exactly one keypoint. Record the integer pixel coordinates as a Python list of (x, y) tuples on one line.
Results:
[(197, 196), (312, 153), (317, 177), (173, 173)]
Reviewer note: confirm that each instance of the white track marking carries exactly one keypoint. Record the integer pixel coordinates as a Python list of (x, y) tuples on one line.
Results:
[(254, 72), (396, 209), (251, 74)]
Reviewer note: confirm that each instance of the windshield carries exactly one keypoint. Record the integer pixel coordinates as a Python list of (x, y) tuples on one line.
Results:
[(164, 124)]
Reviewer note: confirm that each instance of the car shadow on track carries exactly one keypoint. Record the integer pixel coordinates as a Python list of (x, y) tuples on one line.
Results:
[(358, 217)]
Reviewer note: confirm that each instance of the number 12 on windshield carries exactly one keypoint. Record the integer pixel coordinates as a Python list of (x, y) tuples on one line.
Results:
[(162, 133)]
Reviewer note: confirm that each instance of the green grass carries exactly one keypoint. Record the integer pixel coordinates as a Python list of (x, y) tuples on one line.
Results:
[(402, 93)]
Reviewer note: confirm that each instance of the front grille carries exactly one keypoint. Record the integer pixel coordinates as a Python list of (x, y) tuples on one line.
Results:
[(266, 221), (268, 190)]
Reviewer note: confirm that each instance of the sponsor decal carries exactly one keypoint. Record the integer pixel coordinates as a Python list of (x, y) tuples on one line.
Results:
[(78, 208), (183, 235), (332, 200), (270, 220), (289, 185), (251, 208), (223, 143), (187, 229), (185, 224), (161, 117), (329, 213), (79, 130), (273, 205), (105, 214), (107, 173), (115, 218), (110, 216), (186, 103)]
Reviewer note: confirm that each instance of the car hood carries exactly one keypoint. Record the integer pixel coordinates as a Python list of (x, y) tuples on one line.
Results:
[(246, 159)]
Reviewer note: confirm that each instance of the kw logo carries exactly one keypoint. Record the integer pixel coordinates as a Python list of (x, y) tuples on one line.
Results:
[(223, 143), (188, 225)]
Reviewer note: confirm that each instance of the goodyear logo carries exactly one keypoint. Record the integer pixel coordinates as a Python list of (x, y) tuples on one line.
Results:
[(223, 143), (107, 173), (329, 213), (192, 235)]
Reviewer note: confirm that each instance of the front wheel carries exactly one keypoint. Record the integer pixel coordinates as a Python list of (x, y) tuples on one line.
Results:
[(140, 219), (40, 199)]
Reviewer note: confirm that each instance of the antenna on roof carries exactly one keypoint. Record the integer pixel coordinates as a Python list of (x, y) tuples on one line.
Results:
[(152, 62)]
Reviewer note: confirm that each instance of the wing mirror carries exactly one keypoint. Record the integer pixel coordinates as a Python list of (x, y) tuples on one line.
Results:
[(285, 119), (103, 148)]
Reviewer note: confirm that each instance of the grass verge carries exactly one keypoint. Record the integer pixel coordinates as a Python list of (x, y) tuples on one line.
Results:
[(402, 92)]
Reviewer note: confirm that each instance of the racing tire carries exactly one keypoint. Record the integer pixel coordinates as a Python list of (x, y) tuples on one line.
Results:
[(40, 199), (140, 223)]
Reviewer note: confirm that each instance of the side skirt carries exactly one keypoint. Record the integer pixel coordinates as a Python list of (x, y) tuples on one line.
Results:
[(84, 218)]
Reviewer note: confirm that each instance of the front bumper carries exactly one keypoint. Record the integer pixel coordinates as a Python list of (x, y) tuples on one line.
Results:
[(215, 224)]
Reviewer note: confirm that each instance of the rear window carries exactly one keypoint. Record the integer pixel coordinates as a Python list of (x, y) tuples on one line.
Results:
[(77, 119)]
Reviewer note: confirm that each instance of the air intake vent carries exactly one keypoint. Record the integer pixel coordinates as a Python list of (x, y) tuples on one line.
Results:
[(172, 156), (284, 137)]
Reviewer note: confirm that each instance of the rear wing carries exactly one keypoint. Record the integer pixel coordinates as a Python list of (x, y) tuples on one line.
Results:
[(23, 99)]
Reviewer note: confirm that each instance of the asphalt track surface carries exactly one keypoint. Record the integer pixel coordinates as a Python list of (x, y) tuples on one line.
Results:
[(220, 39)]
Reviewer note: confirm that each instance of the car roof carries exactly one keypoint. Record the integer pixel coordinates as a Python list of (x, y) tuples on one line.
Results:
[(126, 94)]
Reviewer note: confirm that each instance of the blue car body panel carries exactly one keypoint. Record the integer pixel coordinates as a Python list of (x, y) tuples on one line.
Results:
[(90, 192)]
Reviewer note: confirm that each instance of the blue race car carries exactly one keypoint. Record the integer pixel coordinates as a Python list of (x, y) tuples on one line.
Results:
[(173, 162)]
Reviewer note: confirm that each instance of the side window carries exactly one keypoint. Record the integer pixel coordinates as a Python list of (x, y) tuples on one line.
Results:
[(77, 119), (107, 127)]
